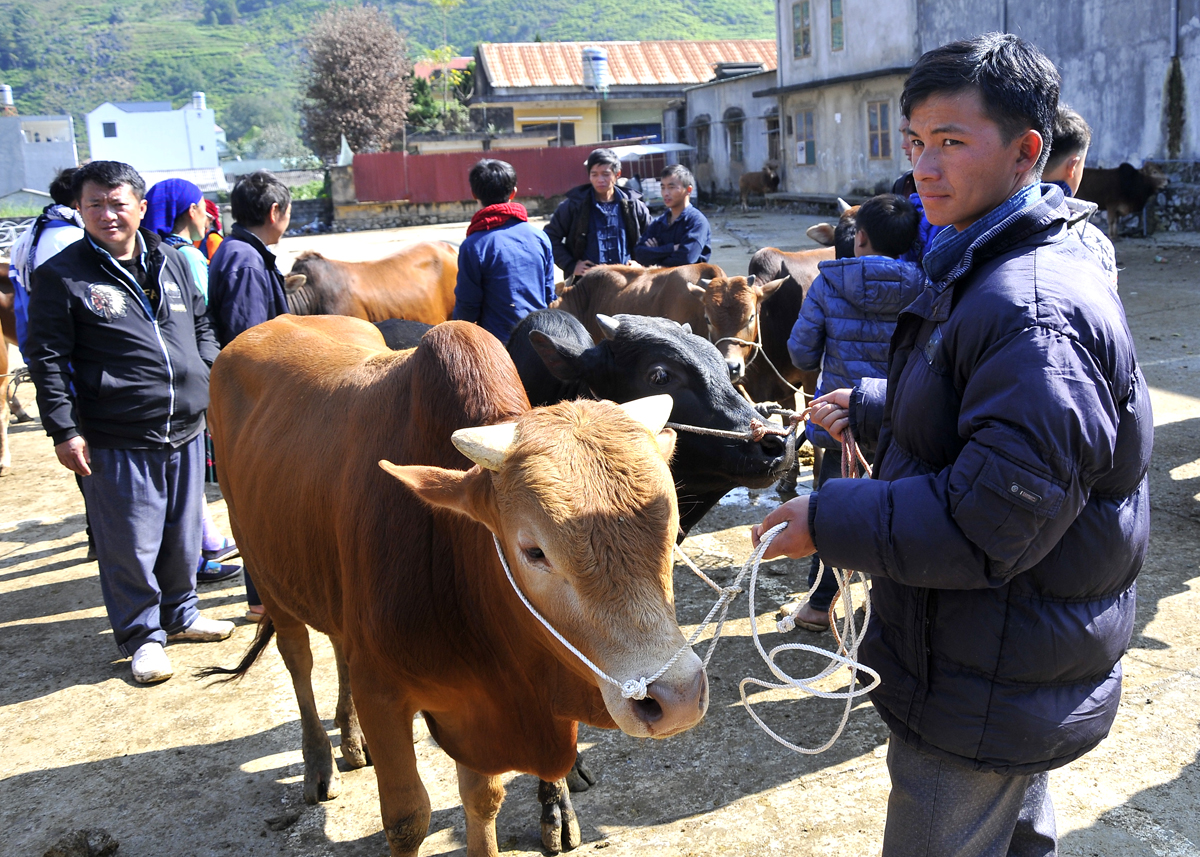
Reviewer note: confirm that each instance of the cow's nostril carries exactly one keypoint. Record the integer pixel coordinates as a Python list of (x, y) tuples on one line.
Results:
[(735, 369), (773, 445), (648, 709)]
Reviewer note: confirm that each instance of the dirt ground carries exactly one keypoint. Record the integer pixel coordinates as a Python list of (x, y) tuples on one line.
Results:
[(184, 768)]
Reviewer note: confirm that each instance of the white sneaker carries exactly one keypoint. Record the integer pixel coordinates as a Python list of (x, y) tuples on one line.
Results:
[(151, 664), (204, 630)]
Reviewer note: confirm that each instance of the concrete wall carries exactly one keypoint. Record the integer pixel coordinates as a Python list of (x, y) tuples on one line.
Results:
[(720, 173), (877, 35), (1115, 59), (155, 140), (840, 131), (25, 164), (357, 216)]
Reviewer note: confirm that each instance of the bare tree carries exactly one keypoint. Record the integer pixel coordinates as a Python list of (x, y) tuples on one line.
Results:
[(356, 81)]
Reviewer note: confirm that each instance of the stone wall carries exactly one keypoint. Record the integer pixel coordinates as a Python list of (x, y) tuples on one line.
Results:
[(357, 216), (1177, 208)]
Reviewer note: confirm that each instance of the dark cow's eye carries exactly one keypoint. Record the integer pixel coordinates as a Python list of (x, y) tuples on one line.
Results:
[(659, 376), (534, 554)]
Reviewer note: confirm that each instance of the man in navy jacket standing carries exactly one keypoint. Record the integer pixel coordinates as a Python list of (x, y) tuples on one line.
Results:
[(1008, 516), (119, 349), (681, 235)]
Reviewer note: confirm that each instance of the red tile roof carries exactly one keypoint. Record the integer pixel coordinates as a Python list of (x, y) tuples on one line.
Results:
[(519, 64)]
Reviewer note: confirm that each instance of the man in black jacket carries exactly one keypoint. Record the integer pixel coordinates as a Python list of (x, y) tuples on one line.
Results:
[(120, 351), (598, 223)]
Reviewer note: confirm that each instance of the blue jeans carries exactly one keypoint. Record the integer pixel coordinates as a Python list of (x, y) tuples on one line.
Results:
[(146, 511), (938, 809)]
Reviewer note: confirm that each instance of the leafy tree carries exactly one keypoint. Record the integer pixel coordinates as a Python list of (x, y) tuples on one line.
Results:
[(356, 81), (247, 112), (220, 12)]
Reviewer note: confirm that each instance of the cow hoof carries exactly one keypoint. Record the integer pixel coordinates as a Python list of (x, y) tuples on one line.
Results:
[(355, 753), (6, 471), (580, 778), (560, 829), (321, 781)]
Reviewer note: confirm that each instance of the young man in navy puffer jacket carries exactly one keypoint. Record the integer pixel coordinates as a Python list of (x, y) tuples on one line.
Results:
[(844, 328), (1009, 513)]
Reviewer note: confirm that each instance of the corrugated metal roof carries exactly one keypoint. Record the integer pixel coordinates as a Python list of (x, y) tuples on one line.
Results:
[(521, 64)]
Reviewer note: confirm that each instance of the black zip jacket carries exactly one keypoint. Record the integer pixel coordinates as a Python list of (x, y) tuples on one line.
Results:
[(568, 226), (104, 367)]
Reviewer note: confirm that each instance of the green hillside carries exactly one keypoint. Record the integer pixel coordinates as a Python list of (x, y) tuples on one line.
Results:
[(68, 56)]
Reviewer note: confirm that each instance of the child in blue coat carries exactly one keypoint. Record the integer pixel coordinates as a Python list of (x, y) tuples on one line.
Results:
[(505, 266), (845, 327)]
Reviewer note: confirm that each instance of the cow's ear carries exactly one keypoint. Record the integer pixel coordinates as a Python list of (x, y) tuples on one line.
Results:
[(822, 233), (467, 492), (666, 443), (294, 281), (768, 289), (560, 357)]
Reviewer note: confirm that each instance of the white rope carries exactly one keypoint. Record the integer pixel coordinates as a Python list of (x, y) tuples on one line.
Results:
[(845, 656), (637, 688)]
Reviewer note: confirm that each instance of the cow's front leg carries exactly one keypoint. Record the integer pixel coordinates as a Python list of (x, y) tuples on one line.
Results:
[(354, 746), (560, 825), (321, 780), (481, 797), (387, 726)]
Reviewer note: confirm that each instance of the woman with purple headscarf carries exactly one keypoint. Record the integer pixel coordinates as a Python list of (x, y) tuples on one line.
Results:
[(175, 210)]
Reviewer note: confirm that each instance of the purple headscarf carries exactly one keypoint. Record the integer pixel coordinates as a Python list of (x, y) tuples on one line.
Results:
[(166, 201)]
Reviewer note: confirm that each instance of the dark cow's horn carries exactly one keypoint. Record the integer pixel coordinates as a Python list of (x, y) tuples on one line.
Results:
[(608, 325), (750, 280), (687, 327), (843, 206)]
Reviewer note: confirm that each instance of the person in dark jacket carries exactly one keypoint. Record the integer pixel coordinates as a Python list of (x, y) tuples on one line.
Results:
[(1008, 516), (681, 235), (120, 351), (505, 266), (845, 326), (245, 287), (598, 223)]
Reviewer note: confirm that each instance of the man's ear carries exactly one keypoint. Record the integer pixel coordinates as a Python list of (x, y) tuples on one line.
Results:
[(512, 195), (1030, 149), (467, 492)]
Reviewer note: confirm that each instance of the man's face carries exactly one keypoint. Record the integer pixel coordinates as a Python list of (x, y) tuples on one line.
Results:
[(962, 165), (603, 178), (673, 192), (111, 216), (905, 140)]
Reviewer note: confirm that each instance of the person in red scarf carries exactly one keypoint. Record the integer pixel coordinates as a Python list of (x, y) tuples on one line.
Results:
[(505, 266), (212, 234)]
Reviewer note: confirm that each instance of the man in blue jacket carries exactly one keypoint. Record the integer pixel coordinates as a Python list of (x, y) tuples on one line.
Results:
[(1008, 516), (681, 235), (505, 266), (119, 350), (245, 287)]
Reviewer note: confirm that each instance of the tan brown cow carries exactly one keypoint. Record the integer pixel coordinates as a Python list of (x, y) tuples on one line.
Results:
[(771, 263), (415, 284), (673, 293), (396, 561)]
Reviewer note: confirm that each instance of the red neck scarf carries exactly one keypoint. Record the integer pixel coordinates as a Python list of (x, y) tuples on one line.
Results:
[(496, 215)]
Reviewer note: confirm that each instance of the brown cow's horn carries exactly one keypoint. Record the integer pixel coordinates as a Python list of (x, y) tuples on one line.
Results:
[(843, 206), (652, 411), (704, 282), (608, 325), (485, 445)]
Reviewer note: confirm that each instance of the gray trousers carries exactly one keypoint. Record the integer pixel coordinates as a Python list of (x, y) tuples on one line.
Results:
[(938, 809), (146, 510)]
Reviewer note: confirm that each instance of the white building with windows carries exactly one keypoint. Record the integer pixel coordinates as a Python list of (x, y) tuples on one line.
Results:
[(153, 138), (32, 151), (842, 68), (732, 131)]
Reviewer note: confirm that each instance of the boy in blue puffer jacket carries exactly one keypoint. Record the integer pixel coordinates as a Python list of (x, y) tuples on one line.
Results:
[(844, 328)]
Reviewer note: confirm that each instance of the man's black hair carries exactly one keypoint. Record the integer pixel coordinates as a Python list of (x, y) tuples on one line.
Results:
[(890, 223), (1071, 135), (61, 187), (254, 194), (843, 238), (679, 172), (107, 174), (603, 156), (1018, 85), (492, 181)]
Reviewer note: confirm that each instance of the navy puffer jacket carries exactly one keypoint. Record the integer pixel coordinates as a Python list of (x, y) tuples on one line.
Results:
[(1009, 515), (846, 323)]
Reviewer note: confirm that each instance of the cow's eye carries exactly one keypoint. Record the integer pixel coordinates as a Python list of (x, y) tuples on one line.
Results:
[(659, 376), (750, 319), (534, 554)]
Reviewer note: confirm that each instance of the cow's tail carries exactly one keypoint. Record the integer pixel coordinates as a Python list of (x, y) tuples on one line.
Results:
[(266, 630)]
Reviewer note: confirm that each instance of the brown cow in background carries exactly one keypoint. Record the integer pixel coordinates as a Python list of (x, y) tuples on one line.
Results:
[(1122, 191), (762, 182), (415, 284)]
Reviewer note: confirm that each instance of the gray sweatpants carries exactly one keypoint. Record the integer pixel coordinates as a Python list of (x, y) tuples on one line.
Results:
[(146, 511), (937, 809)]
